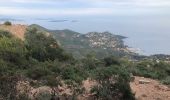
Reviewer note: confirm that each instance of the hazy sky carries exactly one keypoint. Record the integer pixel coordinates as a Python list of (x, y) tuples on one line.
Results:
[(83, 7)]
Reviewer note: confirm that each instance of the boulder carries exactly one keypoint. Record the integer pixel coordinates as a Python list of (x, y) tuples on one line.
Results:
[(144, 82)]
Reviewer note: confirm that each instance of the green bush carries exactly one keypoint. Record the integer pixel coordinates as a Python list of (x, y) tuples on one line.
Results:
[(43, 47), (38, 72), (4, 68), (151, 69), (13, 51), (7, 23), (5, 34), (166, 80), (75, 74), (8, 89), (113, 80), (111, 61), (43, 96)]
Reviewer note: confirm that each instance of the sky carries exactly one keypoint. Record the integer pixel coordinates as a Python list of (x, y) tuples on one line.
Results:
[(83, 7), (146, 23)]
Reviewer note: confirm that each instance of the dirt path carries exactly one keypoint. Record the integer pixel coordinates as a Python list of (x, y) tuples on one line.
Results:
[(148, 89)]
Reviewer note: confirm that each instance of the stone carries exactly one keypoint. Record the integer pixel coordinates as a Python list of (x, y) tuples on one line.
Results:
[(144, 82)]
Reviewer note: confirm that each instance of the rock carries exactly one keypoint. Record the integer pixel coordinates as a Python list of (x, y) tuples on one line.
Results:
[(162, 87), (144, 82), (144, 95)]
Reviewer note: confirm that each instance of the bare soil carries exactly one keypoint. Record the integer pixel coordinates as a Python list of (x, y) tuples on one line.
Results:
[(17, 30), (151, 90)]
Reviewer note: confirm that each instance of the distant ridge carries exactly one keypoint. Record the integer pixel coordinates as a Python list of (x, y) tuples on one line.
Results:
[(100, 43), (38, 27)]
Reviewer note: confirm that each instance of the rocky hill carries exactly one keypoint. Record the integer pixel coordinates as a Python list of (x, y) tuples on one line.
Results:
[(101, 44)]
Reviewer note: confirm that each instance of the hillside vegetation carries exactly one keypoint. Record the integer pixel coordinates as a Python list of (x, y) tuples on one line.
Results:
[(39, 61), (39, 68), (100, 44)]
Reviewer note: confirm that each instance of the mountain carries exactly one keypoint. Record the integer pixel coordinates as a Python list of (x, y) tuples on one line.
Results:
[(100, 44), (38, 27)]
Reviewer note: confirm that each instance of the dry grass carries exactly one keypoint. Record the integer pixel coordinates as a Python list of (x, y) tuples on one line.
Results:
[(17, 30)]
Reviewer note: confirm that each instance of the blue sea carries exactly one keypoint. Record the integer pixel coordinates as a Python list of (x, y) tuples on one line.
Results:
[(147, 34)]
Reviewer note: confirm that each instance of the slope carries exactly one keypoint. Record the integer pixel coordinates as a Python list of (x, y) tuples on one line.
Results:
[(17, 30), (99, 44)]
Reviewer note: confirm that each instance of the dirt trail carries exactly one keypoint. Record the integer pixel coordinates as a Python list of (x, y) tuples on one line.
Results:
[(17, 30), (149, 89)]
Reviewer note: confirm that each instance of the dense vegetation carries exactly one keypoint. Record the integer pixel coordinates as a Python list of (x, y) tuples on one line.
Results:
[(79, 45), (7, 23), (152, 69), (40, 61)]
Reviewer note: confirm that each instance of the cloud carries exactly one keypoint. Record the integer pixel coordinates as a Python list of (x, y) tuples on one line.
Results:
[(82, 7), (81, 11), (96, 2)]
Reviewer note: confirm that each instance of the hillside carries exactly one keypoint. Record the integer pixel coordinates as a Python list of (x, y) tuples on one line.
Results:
[(37, 68), (101, 44)]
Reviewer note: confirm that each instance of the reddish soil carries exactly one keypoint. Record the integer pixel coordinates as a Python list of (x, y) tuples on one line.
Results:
[(152, 90)]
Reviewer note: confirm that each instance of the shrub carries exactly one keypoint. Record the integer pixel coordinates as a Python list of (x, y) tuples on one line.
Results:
[(111, 61), (166, 80), (8, 89), (42, 47), (3, 68), (151, 69), (5, 34), (43, 96), (74, 74), (113, 81), (12, 50), (7, 23), (38, 72)]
